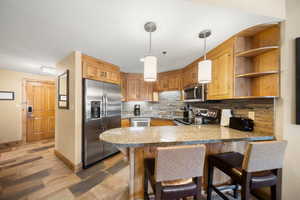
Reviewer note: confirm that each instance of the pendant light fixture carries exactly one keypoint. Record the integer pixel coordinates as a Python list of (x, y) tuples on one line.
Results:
[(150, 62), (204, 66)]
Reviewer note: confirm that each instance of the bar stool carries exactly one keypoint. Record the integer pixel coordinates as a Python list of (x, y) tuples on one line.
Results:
[(176, 172), (260, 167)]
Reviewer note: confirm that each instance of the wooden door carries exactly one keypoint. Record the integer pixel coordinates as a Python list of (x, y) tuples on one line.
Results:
[(40, 120)]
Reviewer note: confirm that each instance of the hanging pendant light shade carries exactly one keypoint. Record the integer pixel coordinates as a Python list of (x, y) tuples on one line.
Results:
[(204, 66), (150, 62), (204, 71), (150, 68)]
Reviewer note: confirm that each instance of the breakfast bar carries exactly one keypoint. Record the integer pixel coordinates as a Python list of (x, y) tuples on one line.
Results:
[(141, 142)]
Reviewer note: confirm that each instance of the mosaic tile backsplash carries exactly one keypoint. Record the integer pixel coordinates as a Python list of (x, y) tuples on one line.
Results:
[(170, 106)]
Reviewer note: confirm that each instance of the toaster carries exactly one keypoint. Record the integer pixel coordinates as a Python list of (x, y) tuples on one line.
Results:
[(240, 123)]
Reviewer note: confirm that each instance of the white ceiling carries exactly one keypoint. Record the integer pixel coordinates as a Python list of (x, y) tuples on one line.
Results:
[(41, 32)]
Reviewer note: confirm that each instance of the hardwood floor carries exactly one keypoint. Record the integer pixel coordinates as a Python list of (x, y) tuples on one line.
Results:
[(32, 171)]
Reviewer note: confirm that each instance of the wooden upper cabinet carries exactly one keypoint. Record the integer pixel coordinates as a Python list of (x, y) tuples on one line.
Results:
[(96, 69), (146, 90), (221, 86), (136, 88), (171, 80), (190, 74), (123, 84), (133, 87)]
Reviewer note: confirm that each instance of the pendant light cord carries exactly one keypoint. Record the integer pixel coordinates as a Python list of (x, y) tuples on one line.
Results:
[(205, 48), (150, 41)]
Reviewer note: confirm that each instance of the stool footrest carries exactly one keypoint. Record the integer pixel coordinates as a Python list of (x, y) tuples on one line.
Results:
[(227, 187), (220, 193)]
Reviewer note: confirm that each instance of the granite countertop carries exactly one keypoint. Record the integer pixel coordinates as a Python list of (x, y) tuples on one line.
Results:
[(128, 116), (177, 135)]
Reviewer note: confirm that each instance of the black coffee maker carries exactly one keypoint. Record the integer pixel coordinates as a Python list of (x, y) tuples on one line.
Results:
[(187, 112), (137, 109)]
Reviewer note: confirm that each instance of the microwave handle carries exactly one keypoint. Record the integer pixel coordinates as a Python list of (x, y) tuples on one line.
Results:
[(195, 92), (203, 92)]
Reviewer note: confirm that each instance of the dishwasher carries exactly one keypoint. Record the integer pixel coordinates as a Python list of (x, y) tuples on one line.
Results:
[(140, 122)]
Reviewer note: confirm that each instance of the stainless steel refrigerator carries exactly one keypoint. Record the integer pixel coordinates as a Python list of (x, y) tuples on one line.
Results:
[(101, 112)]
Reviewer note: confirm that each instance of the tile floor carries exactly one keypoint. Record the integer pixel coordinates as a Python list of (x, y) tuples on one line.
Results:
[(32, 171)]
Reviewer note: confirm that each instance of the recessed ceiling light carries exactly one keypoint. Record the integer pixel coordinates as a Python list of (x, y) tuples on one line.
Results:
[(142, 59), (49, 70)]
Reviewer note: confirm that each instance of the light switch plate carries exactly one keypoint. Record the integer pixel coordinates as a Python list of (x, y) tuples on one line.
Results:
[(251, 115)]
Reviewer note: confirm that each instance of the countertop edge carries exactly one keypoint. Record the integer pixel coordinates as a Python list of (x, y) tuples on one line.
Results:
[(211, 141)]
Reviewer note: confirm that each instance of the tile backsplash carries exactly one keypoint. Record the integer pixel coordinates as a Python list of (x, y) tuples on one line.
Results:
[(263, 109), (170, 104)]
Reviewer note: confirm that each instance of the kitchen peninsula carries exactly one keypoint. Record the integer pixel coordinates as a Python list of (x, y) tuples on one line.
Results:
[(142, 140)]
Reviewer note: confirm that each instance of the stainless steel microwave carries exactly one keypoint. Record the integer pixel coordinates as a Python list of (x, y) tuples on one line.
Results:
[(195, 94)]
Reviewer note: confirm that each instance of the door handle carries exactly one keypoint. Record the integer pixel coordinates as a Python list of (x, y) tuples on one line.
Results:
[(29, 109)]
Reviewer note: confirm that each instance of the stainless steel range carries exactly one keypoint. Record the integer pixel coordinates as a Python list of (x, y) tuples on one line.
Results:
[(203, 116), (101, 112)]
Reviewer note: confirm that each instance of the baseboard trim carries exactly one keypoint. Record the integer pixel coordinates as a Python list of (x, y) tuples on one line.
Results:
[(7, 145), (67, 162)]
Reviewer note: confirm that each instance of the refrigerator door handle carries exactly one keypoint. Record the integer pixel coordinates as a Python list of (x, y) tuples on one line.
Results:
[(104, 106), (106, 102), (101, 108)]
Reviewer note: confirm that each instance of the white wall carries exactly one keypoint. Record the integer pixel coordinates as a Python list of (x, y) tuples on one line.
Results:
[(270, 8), (11, 111), (68, 121), (286, 106)]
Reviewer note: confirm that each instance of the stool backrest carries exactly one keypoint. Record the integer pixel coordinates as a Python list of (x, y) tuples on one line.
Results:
[(179, 162), (262, 156)]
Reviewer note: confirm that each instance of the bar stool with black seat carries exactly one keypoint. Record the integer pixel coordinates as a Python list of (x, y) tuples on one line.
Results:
[(261, 166), (176, 172)]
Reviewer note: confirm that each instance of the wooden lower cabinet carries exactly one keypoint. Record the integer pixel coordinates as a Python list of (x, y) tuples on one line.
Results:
[(125, 123), (161, 122), (154, 122)]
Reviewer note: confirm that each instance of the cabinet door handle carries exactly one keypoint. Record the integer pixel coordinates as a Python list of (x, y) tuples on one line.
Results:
[(103, 74)]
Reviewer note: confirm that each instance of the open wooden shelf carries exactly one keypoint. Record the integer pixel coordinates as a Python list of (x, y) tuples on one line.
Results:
[(255, 74), (256, 51), (257, 63), (256, 29)]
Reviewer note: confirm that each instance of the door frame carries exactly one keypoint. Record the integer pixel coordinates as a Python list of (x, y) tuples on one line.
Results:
[(24, 104)]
